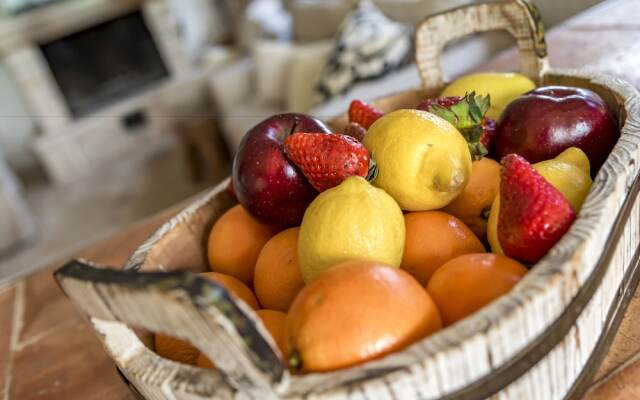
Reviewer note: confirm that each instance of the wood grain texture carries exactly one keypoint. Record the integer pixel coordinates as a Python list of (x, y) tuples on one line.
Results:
[(477, 356), (520, 18)]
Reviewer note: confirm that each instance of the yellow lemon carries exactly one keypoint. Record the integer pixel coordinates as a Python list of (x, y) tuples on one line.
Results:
[(502, 87), (352, 221), (568, 172), (423, 161)]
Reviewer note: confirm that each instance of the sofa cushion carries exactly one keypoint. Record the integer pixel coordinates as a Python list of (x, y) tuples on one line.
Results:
[(368, 46), (232, 84), (314, 20), (272, 65), (305, 69)]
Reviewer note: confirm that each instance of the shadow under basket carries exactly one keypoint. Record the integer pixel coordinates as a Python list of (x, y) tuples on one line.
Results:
[(543, 340)]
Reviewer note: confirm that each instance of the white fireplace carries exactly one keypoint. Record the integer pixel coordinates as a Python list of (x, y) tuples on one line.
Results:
[(100, 79)]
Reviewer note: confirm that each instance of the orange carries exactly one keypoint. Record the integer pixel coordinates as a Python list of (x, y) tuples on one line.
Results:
[(469, 282), (277, 277), (234, 286), (274, 321), (433, 238), (473, 204), (354, 312), (235, 242), (175, 349), (204, 362)]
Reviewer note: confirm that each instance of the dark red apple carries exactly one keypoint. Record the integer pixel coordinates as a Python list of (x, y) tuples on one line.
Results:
[(542, 123), (266, 182)]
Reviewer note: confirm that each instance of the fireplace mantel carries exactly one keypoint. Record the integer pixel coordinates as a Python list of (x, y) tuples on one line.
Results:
[(57, 20)]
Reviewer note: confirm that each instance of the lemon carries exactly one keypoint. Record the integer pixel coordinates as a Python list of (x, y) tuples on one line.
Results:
[(568, 172), (423, 161), (352, 221), (502, 87)]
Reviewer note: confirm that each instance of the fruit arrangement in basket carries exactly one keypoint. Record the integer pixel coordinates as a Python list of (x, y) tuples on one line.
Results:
[(351, 245)]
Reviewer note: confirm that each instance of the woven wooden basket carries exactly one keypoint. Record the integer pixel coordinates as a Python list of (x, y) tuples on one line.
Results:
[(541, 341)]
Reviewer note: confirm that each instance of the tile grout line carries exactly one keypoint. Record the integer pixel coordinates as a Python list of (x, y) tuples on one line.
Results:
[(614, 372), (16, 327), (21, 345)]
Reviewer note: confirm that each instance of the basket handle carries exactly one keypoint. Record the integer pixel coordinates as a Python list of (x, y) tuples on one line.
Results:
[(183, 305), (518, 17)]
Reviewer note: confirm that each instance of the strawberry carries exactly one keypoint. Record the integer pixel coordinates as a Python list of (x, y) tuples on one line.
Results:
[(534, 215), (327, 160), (363, 114), (355, 130), (467, 114), (445, 102)]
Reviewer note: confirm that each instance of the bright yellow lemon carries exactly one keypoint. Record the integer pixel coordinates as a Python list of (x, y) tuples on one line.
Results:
[(423, 161), (352, 221)]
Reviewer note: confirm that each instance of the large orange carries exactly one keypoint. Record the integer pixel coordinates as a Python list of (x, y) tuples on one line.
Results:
[(235, 242), (175, 349), (469, 282), (433, 238), (354, 312), (473, 204), (274, 321), (233, 285), (277, 277)]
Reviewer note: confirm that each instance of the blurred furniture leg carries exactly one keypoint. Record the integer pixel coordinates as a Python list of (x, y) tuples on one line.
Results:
[(206, 151), (16, 223)]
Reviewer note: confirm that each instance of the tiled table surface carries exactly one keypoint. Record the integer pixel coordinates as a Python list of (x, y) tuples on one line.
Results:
[(48, 351)]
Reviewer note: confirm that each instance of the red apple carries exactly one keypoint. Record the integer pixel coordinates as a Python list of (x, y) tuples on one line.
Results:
[(542, 123), (266, 183)]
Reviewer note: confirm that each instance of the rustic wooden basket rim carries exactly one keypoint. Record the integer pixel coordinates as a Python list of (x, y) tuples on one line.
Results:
[(530, 286), (568, 266)]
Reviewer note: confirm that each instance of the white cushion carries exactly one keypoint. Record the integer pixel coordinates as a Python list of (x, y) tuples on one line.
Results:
[(272, 66), (231, 85), (305, 69)]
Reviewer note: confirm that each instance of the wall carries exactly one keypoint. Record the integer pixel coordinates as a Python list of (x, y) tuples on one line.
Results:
[(16, 127)]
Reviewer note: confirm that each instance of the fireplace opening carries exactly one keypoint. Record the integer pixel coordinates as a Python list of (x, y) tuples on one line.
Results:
[(105, 63)]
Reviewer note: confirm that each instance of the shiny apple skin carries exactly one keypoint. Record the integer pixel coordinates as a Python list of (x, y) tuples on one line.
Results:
[(542, 123), (267, 184)]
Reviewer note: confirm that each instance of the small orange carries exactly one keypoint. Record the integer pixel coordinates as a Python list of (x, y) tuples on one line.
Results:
[(433, 238), (235, 242), (175, 349), (469, 282), (274, 321), (473, 204), (204, 362), (354, 312), (277, 277), (233, 285)]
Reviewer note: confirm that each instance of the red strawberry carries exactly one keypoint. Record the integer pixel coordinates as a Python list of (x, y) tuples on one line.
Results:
[(468, 115), (445, 102), (363, 114), (355, 130), (327, 160), (534, 215)]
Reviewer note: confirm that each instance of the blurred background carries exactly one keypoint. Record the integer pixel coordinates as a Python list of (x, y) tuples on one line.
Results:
[(111, 110)]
